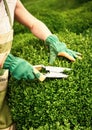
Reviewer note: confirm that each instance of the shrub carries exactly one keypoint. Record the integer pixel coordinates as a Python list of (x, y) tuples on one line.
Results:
[(59, 104)]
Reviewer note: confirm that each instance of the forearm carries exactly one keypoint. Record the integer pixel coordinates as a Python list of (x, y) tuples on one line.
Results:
[(38, 28)]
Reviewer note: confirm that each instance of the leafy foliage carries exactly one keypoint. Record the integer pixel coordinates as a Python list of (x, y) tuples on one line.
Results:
[(59, 104)]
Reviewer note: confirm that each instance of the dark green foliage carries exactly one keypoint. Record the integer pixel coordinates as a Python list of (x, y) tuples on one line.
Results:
[(58, 104), (83, 1)]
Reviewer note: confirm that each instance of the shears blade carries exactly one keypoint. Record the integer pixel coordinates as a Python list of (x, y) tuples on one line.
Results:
[(56, 69), (55, 75), (53, 71)]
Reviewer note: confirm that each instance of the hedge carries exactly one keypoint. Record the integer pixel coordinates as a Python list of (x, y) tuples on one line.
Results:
[(55, 104)]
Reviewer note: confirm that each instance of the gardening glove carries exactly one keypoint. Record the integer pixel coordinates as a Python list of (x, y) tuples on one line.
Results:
[(58, 48), (21, 69)]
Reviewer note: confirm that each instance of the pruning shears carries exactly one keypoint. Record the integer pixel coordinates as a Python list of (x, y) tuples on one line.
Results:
[(52, 71)]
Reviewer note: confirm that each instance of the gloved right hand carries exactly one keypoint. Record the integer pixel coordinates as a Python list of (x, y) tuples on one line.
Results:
[(21, 69)]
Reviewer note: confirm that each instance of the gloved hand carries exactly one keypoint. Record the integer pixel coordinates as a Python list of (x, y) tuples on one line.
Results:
[(58, 48), (21, 69)]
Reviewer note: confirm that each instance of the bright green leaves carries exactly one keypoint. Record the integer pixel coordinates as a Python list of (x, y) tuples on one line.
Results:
[(59, 104)]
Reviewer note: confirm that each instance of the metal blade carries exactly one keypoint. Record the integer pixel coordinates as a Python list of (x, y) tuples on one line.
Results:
[(55, 75), (56, 69), (53, 72)]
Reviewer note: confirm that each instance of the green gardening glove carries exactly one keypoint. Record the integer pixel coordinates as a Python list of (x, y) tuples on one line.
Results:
[(21, 69), (58, 48)]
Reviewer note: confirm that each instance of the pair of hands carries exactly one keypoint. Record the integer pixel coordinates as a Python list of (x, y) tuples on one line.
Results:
[(21, 69)]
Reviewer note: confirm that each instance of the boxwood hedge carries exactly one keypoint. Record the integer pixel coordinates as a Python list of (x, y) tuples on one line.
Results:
[(55, 104)]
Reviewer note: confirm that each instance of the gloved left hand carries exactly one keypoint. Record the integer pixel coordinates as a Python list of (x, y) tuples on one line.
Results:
[(21, 69), (58, 48)]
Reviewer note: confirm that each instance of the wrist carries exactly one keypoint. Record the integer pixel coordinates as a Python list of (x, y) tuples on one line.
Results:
[(51, 39)]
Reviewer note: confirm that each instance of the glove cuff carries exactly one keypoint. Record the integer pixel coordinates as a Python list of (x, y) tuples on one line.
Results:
[(8, 61), (11, 62), (51, 39)]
